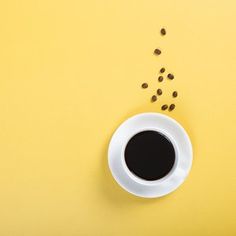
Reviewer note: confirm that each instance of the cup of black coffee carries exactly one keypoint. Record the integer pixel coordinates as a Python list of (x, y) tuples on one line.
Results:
[(150, 155)]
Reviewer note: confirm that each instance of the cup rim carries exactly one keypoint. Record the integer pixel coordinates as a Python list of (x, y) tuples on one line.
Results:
[(139, 179)]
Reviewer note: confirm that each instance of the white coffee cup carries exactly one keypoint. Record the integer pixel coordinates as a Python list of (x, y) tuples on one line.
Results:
[(169, 128)]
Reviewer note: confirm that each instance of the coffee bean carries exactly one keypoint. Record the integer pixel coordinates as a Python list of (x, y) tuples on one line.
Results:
[(160, 78), (175, 94), (170, 76), (157, 51), (162, 70), (172, 107), (163, 31), (144, 85), (154, 98), (159, 92), (164, 107)]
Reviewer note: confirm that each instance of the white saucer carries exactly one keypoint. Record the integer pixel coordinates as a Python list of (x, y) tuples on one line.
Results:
[(169, 128)]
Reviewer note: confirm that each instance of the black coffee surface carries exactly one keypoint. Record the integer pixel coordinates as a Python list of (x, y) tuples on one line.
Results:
[(149, 155)]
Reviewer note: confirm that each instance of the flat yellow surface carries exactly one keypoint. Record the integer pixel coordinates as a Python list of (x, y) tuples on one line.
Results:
[(70, 73)]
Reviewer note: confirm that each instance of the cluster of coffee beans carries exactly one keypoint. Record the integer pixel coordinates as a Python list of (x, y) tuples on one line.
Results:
[(160, 79)]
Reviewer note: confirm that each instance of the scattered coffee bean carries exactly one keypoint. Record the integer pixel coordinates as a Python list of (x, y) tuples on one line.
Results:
[(164, 107), (172, 107), (144, 85), (160, 78), (159, 92), (157, 51), (175, 94), (154, 98), (170, 76), (162, 70), (163, 31)]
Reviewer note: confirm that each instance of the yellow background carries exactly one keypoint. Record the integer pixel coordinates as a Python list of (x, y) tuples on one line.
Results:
[(70, 73)]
